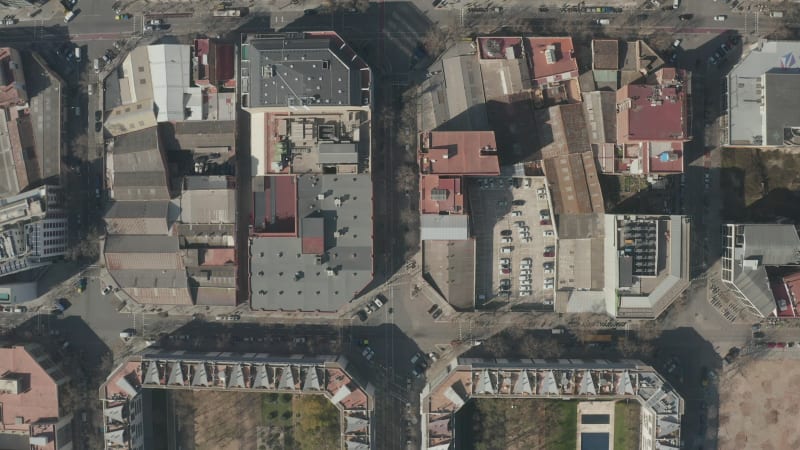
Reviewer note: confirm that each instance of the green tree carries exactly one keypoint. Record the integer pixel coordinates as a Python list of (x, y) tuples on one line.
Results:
[(318, 425)]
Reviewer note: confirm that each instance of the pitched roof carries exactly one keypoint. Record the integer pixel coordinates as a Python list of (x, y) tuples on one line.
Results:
[(459, 153), (605, 54), (553, 56)]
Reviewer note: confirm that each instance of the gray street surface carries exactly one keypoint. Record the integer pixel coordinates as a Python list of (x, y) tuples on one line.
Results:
[(386, 35)]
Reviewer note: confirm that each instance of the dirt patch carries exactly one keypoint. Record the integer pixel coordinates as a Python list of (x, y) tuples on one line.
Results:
[(760, 185), (757, 408)]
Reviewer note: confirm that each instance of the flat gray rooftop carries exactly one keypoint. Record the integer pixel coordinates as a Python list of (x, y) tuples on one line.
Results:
[(746, 122), (300, 71), (283, 277)]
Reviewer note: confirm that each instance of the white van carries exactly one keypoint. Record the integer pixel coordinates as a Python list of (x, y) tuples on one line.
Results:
[(96, 65), (78, 54), (69, 16)]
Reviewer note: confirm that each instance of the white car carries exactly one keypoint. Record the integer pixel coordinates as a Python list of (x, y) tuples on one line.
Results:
[(107, 290), (377, 302), (524, 266), (524, 272), (677, 43), (516, 213), (506, 240), (507, 249), (548, 233), (527, 260), (525, 283), (524, 293), (721, 18), (505, 261), (548, 270)]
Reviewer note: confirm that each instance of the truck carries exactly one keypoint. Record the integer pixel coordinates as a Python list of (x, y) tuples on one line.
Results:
[(776, 14), (228, 12)]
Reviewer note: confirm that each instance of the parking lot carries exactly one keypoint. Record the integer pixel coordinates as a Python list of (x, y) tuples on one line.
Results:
[(513, 229)]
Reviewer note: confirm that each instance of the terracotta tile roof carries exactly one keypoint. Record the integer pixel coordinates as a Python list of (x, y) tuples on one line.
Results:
[(563, 65), (38, 399), (459, 153)]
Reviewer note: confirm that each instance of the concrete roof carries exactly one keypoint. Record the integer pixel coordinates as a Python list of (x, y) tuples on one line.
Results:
[(203, 182), (294, 71), (782, 92), (170, 65), (772, 244), (131, 117), (745, 98), (451, 267), (453, 96), (349, 253), (438, 227)]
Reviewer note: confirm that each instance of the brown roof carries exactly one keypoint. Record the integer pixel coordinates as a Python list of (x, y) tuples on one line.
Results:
[(562, 130), (574, 183), (459, 153), (605, 54)]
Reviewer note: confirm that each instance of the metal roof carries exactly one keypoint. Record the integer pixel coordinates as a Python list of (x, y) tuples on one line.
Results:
[(340, 153), (439, 227), (170, 65), (138, 209), (208, 206)]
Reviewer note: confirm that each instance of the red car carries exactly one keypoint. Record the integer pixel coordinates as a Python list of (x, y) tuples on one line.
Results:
[(549, 254), (544, 222), (506, 271)]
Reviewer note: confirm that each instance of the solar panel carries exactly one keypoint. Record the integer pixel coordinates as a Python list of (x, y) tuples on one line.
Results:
[(439, 194)]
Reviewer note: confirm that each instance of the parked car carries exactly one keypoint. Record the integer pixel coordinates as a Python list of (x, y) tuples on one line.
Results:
[(720, 18), (684, 17), (377, 302), (437, 313), (361, 315), (505, 233), (107, 290)]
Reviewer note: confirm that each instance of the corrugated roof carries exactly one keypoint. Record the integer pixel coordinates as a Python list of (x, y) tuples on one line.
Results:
[(141, 244), (138, 209), (208, 206)]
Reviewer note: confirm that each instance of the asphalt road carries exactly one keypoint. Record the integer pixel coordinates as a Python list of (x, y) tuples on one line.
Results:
[(386, 36)]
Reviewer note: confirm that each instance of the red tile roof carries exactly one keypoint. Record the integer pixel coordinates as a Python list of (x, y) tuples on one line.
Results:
[(650, 113), (564, 66), (789, 291), (39, 397), (459, 153), (454, 203)]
